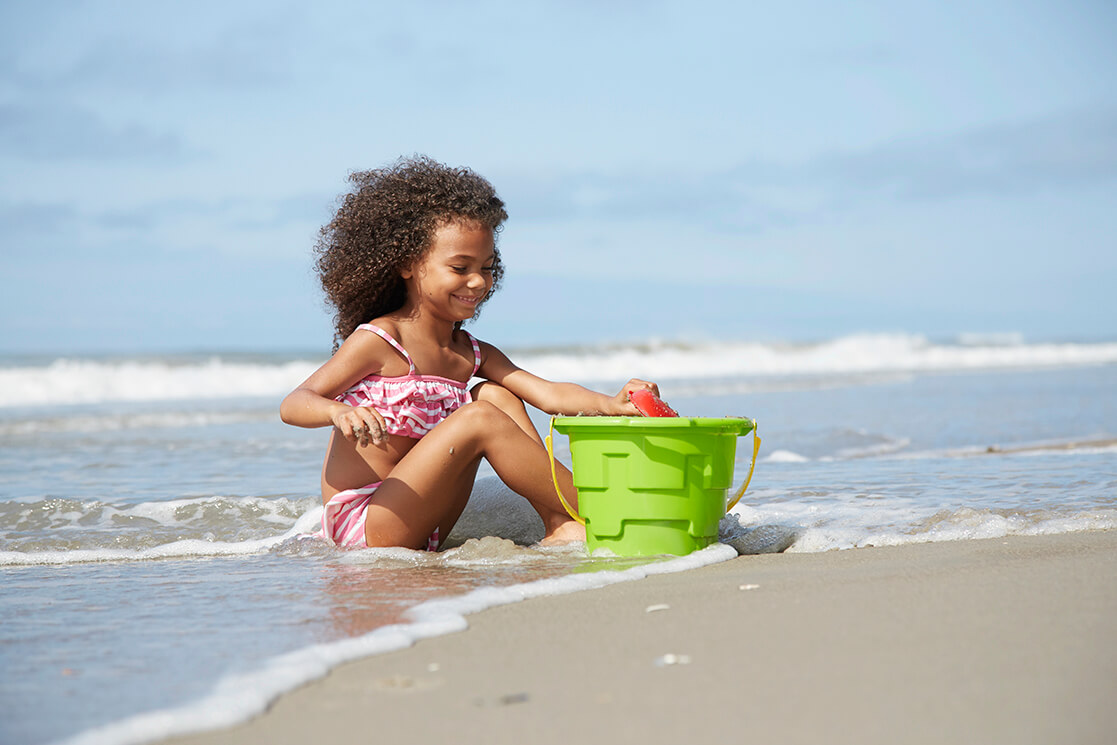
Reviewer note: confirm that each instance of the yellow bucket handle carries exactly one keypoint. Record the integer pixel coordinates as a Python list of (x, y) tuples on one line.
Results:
[(549, 440), (755, 450), (554, 476)]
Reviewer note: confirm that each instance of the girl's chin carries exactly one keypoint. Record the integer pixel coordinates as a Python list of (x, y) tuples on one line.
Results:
[(467, 308), (460, 314)]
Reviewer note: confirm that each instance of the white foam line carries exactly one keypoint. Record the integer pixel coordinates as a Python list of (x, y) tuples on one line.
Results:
[(192, 548), (86, 381), (185, 549), (240, 697)]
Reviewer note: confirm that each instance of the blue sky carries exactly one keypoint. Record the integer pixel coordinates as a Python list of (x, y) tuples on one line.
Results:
[(723, 170)]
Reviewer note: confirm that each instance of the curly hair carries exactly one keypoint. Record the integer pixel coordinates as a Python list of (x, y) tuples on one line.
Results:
[(385, 224)]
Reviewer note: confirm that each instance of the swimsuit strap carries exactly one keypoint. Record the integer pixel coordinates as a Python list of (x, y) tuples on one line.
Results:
[(476, 352), (399, 347), (387, 337)]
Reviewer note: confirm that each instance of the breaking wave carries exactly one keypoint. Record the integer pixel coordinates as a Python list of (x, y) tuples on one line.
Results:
[(91, 381)]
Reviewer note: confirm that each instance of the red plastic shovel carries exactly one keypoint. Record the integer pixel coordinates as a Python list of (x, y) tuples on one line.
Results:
[(649, 404)]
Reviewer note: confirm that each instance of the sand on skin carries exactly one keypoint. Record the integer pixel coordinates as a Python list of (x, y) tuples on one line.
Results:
[(1008, 640)]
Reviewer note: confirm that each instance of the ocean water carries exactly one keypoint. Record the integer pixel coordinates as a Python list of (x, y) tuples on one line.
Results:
[(154, 580)]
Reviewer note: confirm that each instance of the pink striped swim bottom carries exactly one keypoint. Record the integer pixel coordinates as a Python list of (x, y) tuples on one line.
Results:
[(343, 519)]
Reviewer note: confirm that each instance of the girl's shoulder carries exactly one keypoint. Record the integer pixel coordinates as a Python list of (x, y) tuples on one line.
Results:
[(378, 335), (378, 330), (384, 323)]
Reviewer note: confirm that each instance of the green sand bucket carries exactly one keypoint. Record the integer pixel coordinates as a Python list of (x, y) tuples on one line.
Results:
[(652, 485)]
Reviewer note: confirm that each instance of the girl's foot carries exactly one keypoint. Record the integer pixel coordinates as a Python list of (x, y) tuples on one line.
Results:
[(568, 532)]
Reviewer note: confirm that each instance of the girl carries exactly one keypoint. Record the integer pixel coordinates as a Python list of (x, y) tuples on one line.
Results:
[(409, 256)]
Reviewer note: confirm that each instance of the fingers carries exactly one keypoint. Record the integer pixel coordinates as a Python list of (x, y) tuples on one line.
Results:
[(637, 385), (626, 407), (361, 435), (363, 426)]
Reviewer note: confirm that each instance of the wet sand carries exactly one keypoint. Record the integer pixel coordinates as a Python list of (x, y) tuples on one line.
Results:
[(1009, 640)]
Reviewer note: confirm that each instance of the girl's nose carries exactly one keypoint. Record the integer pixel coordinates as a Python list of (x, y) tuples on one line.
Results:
[(477, 281)]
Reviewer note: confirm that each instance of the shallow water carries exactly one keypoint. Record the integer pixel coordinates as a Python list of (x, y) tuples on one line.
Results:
[(112, 639), (148, 554)]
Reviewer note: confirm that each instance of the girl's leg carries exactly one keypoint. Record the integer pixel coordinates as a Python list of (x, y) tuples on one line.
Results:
[(509, 403), (459, 501), (513, 406), (431, 484)]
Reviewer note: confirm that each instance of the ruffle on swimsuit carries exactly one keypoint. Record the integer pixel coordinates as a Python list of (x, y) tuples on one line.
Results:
[(410, 404)]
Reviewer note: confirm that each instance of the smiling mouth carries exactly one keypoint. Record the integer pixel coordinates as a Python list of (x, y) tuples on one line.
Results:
[(468, 300)]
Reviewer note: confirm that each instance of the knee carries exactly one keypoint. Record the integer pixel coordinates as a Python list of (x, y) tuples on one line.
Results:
[(479, 415), (497, 395)]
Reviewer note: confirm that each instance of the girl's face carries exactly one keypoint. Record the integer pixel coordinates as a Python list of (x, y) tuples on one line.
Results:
[(455, 274)]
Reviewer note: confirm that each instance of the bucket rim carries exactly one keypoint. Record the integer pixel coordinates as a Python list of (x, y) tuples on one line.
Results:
[(735, 425)]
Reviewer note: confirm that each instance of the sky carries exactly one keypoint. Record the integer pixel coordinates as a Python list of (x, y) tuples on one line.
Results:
[(672, 170)]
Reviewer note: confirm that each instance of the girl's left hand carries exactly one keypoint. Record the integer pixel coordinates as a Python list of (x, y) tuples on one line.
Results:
[(623, 406)]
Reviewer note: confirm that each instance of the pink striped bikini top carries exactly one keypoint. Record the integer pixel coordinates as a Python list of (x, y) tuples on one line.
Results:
[(410, 404)]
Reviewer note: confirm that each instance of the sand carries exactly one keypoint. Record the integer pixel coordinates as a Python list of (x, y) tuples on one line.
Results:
[(1009, 640)]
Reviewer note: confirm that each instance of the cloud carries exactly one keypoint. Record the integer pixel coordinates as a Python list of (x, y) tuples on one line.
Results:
[(150, 49), (731, 200), (22, 221), (236, 214), (238, 64), (260, 227), (50, 132), (1065, 151), (1062, 151)]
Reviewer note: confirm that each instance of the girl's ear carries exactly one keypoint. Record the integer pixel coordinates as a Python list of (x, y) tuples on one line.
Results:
[(407, 272)]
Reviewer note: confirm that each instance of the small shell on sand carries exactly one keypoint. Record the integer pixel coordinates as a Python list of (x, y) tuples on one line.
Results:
[(672, 659)]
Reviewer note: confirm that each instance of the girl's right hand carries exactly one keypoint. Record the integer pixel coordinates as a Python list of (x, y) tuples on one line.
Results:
[(621, 402), (361, 425)]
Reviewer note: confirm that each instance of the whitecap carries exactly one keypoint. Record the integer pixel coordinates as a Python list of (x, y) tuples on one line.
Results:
[(785, 456)]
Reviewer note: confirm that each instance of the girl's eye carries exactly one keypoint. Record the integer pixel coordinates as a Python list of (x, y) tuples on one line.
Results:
[(487, 269)]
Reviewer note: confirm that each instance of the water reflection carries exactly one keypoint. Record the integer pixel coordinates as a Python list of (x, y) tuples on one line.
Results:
[(368, 589), (362, 598)]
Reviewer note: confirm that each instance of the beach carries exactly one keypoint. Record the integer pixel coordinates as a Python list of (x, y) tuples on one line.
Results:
[(1005, 640), (886, 461)]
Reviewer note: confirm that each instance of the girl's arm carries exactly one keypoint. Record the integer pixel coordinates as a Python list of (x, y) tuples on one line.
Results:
[(556, 398), (312, 404)]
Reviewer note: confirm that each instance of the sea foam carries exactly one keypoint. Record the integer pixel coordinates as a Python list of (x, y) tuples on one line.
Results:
[(90, 381), (858, 354), (79, 381), (837, 524), (66, 531)]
